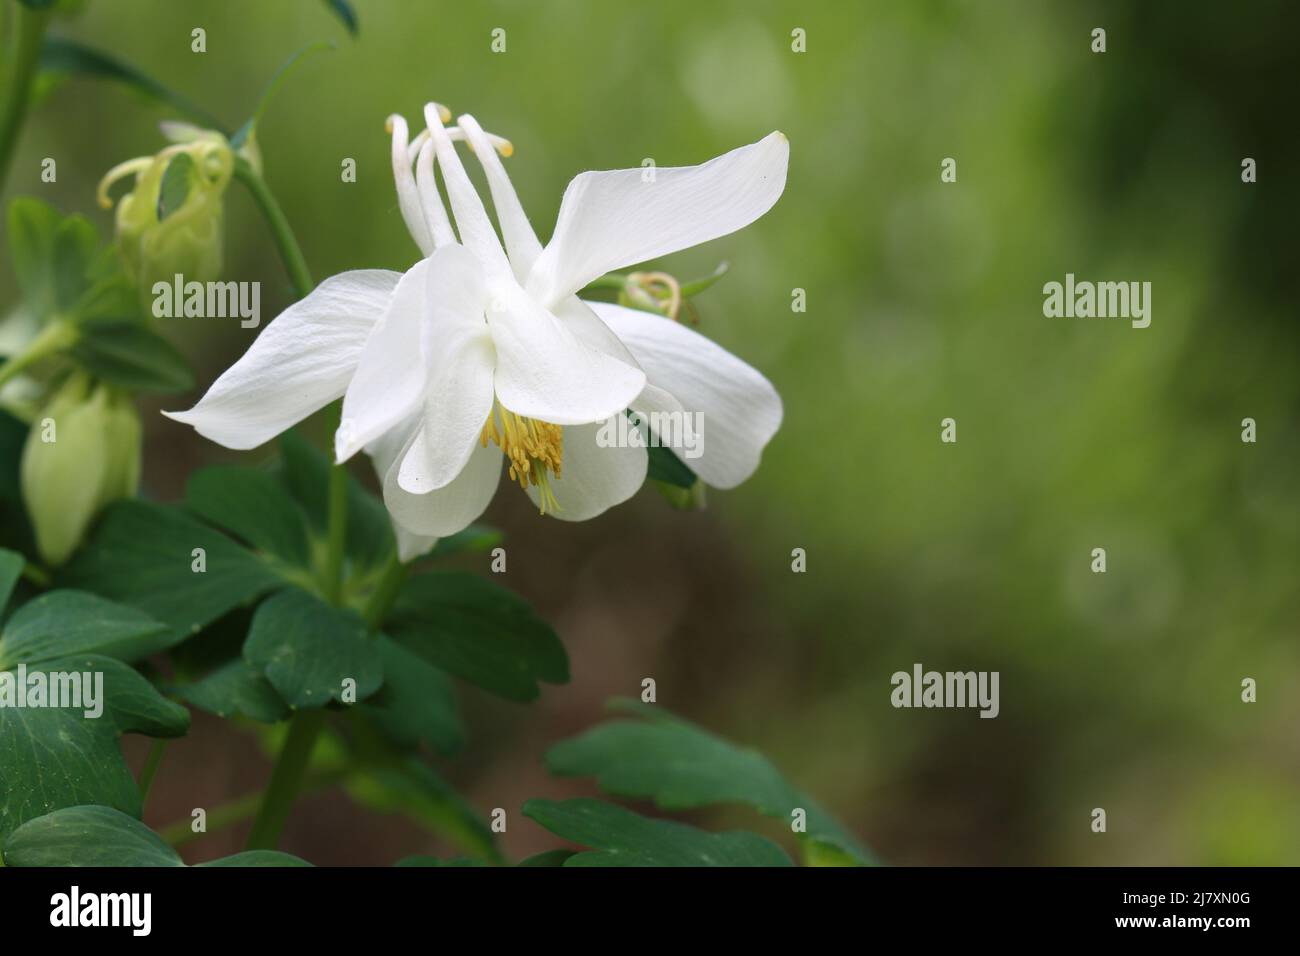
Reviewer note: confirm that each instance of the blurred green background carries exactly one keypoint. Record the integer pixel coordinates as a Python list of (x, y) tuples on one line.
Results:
[(924, 301)]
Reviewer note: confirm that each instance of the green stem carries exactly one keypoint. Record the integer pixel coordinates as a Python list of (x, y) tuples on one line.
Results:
[(55, 337), (281, 231), (286, 779), (338, 531), (150, 768), (29, 36), (236, 811), (385, 592), (37, 575)]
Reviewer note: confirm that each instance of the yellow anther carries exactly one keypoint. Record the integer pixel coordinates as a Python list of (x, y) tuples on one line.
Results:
[(535, 450)]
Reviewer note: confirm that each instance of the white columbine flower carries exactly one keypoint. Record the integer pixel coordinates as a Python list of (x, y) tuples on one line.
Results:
[(474, 354)]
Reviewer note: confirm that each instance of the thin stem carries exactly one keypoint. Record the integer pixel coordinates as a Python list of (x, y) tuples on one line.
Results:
[(29, 36), (338, 532), (281, 231), (385, 592), (37, 575), (55, 337), (286, 779), (236, 811), (150, 768)]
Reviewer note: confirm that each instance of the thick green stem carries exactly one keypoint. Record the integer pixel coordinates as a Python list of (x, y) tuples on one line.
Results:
[(286, 779), (385, 592), (281, 231), (338, 530), (29, 35)]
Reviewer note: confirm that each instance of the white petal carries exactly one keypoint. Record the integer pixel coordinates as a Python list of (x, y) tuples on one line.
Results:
[(588, 329), (544, 372), (435, 216), (740, 408), (410, 545), (476, 232), (301, 362), (451, 508), (390, 378), (461, 359), (521, 241), (595, 478), (613, 219), (408, 196), (383, 452)]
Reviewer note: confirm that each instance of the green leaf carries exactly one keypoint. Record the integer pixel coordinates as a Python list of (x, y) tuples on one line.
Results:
[(178, 180), (101, 836), (65, 622), (480, 632), (416, 703), (257, 858), (666, 467), (235, 688), (695, 286), (142, 554), (75, 244), (251, 505), (681, 766), (343, 10), (307, 649), (619, 837), (248, 131), (32, 228), (55, 757), (11, 569), (131, 356), (68, 57), (475, 539), (305, 472), (547, 858)]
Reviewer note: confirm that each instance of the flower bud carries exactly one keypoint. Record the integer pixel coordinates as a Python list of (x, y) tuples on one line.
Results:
[(172, 220), (82, 452)]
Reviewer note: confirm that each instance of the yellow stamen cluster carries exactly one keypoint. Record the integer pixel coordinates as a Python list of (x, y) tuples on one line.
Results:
[(535, 450)]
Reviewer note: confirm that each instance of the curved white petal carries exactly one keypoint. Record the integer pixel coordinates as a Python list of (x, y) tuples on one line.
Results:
[(408, 196), (301, 362), (740, 408), (451, 508), (383, 453), (521, 241), (545, 372), (476, 232), (435, 216), (461, 361), (595, 478), (588, 329), (389, 380), (616, 218)]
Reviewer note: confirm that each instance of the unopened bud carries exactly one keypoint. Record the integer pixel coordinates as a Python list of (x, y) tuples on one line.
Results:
[(172, 220), (82, 452)]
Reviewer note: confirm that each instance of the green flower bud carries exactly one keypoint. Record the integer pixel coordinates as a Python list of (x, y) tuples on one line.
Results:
[(82, 452), (172, 220)]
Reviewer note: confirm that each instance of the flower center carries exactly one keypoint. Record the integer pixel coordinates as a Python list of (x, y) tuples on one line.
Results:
[(535, 450)]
